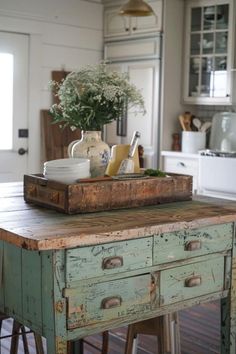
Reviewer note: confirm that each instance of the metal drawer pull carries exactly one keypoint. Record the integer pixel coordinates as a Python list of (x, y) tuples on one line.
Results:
[(181, 164), (110, 302), (193, 281), (112, 262), (193, 245)]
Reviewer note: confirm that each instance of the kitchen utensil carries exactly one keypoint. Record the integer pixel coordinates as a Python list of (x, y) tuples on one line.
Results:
[(127, 165), (205, 126), (197, 123), (187, 120), (181, 120)]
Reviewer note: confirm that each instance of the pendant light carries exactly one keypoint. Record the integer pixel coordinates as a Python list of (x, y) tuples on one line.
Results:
[(136, 8)]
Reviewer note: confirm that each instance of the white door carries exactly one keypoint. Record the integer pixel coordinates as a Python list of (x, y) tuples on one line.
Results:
[(13, 106)]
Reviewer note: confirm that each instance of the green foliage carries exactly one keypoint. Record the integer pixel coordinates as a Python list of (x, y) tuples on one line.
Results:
[(93, 97), (154, 173)]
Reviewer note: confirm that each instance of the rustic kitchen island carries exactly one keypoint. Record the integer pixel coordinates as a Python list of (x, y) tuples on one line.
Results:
[(67, 277)]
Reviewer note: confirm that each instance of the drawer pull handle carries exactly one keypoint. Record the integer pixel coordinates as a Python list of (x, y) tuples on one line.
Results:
[(181, 164), (193, 245), (193, 281), (112, 262), (110, 302)]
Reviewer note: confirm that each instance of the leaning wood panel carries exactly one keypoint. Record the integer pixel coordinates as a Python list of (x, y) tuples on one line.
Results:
[(107, 193), (55, 140)]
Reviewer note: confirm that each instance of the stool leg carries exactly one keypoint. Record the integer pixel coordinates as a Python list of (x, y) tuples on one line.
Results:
[(15, 339), (24, 339), (105, 342), (76, 347), (38, 343), (176, 333), (135, 344), (130, 338), (171, 336)]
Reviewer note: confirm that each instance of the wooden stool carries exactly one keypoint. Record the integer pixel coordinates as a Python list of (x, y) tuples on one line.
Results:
[(78, 346), (19, 330), (165, 328)]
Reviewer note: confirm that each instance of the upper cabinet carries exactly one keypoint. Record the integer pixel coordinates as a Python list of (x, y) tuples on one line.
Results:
[(126, 26), (208, 65)]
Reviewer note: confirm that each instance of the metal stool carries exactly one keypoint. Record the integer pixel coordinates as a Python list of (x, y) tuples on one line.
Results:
[(165, 328), (19, 330)]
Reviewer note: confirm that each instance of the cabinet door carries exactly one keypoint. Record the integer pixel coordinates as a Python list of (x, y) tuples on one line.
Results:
[(148, 23), (208, 58), (116, 25), (145, 75)]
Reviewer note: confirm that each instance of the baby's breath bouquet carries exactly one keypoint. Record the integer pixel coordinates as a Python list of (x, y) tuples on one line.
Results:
[(93, 97)]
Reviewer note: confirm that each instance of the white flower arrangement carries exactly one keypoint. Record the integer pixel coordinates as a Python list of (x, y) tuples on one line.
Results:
[(93, 97)]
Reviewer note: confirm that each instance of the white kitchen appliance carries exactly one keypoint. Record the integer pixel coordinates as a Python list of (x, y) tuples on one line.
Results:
[(217, 166)]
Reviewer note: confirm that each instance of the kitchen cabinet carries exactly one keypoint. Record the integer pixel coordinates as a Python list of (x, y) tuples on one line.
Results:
[(181, 163), (67, 277), (208, 64), (127, 26), (141, 60)]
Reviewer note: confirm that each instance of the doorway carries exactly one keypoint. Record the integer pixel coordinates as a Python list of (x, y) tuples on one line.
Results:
[(14, 64)]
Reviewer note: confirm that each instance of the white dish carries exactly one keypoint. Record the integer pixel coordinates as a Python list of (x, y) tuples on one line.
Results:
[(68, 179), (66, 163), (67, 170)]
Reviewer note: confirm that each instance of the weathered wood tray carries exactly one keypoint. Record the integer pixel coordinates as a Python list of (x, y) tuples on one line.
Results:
[(106, 194)]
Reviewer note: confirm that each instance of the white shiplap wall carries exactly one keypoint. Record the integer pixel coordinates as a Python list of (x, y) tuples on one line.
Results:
[(63, 34)]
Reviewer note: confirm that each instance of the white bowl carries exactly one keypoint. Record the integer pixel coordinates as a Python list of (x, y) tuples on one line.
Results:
[(66, 178), (76, 169), (67, 170), (66, 163)]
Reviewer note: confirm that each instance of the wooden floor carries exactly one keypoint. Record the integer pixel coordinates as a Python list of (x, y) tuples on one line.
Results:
[(199, 330)]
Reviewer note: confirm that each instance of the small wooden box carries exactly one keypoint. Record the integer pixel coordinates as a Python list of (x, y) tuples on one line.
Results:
[(107, 193)]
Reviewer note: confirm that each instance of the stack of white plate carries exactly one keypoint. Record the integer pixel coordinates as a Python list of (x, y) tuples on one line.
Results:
[(67, 170)]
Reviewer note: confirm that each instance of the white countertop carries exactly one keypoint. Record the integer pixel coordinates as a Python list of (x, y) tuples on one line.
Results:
[(179, 154)]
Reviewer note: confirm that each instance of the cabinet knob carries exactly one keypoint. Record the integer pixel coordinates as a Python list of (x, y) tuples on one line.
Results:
[(181, 164), (134, 28), (127, 29)]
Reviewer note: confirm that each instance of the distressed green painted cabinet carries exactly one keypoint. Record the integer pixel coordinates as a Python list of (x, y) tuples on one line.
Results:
[(67, 277)]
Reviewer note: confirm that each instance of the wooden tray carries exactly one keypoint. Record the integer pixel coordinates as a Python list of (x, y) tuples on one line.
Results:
[(106, 193)]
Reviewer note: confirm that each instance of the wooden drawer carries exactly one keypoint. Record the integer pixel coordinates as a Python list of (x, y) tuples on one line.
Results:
[(92, 303), (191, 281), (109, 258), (174, 246)]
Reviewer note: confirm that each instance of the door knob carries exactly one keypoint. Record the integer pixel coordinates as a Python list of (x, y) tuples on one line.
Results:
[(22, 151)]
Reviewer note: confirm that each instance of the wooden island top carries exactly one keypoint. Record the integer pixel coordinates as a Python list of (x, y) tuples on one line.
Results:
[(37, 228)]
